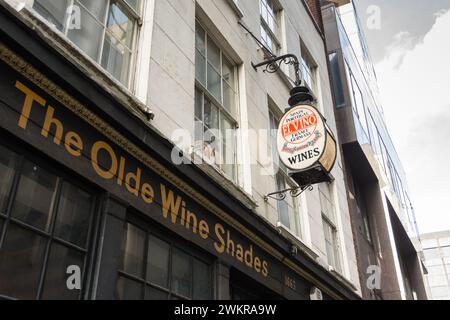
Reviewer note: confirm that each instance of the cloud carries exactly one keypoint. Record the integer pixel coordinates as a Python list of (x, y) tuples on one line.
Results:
[(414, 85)]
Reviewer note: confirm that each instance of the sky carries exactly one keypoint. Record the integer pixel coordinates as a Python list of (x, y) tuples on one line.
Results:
[(411, 54)]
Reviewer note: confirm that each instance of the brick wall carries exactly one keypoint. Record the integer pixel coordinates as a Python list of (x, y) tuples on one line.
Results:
[(314, 8)]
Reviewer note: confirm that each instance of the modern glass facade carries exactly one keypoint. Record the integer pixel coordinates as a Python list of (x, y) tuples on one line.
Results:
[(368, 118), (436, 250)]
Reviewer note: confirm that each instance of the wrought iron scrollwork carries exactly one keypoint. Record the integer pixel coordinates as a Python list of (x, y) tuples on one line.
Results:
[(274, 64), (294, 192)]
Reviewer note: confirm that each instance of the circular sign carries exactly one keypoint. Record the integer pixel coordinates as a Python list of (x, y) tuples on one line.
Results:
[(301, 137)]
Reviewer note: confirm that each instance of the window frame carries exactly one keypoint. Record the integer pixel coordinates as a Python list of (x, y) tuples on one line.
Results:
[(221, 108), (175, 244), (329, 220), (62, 175), (287, 180), (309, 65), (272, 34), (134, 15)]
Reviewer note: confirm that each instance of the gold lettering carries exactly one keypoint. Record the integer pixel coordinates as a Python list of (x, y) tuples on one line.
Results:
[(240, 253), (30, 97), (219, 231), (249, 257), (73, 143), (133, 188), (147, 193), (183, 213), (51, 120), (121, 171), (230, 244), (191, 219), (203, 228), (101, 145), (169, 204), (257, 265), (265, 271)]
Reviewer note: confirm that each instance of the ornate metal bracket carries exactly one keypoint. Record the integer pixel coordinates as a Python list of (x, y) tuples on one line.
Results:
[(274, 64), (294, 192)]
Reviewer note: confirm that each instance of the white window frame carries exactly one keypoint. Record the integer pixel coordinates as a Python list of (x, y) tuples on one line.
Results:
[(222, 110), (280, 172), (268, 32), (131, 12)]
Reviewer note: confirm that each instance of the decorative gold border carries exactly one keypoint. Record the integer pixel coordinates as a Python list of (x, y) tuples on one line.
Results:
[(104, 128)]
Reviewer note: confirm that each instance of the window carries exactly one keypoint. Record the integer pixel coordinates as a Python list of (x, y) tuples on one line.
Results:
[(215, 105), (309, 69), (440, 292), (103, 29), (437, 280), (280, 173), (444, 241), (364, 225), (357, 100), (287, 208), (45, 222), (338, 88), (429, 243), (269, 25), (154, 268), (329, 227), (432, 254)]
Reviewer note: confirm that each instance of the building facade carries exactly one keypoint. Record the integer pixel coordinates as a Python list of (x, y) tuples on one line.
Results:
[(379, 201), (436, 252), (137, 154)]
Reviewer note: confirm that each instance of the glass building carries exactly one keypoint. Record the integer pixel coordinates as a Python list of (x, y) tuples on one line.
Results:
[(436, 251), (380, 203)]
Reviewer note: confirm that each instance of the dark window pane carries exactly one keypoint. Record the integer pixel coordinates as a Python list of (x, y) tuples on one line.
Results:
[(21, 259), (202, 281), (155, 294), (181, 273), (128, 289), (158, 262), (198, 105), (56, 286), (35, 196), (8, 160), (73, 215), (134, 251)]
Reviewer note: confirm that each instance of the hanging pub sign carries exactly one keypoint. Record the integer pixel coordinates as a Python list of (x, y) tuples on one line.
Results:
[(306, 145)]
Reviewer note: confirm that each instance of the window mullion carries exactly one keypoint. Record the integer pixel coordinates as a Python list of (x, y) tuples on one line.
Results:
[(67, 18), (104, 24), (12, 196), (49, 239)]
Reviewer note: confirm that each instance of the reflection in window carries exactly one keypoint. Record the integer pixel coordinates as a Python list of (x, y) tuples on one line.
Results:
[(7, 171), (134, 250), (329, 226), (215, 105), (269, 25), (42, 239), (170, 273), (21, 260), (107, 32), (35, 197)]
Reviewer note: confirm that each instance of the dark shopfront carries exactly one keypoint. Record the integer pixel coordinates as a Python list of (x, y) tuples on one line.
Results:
[(79, 188)]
